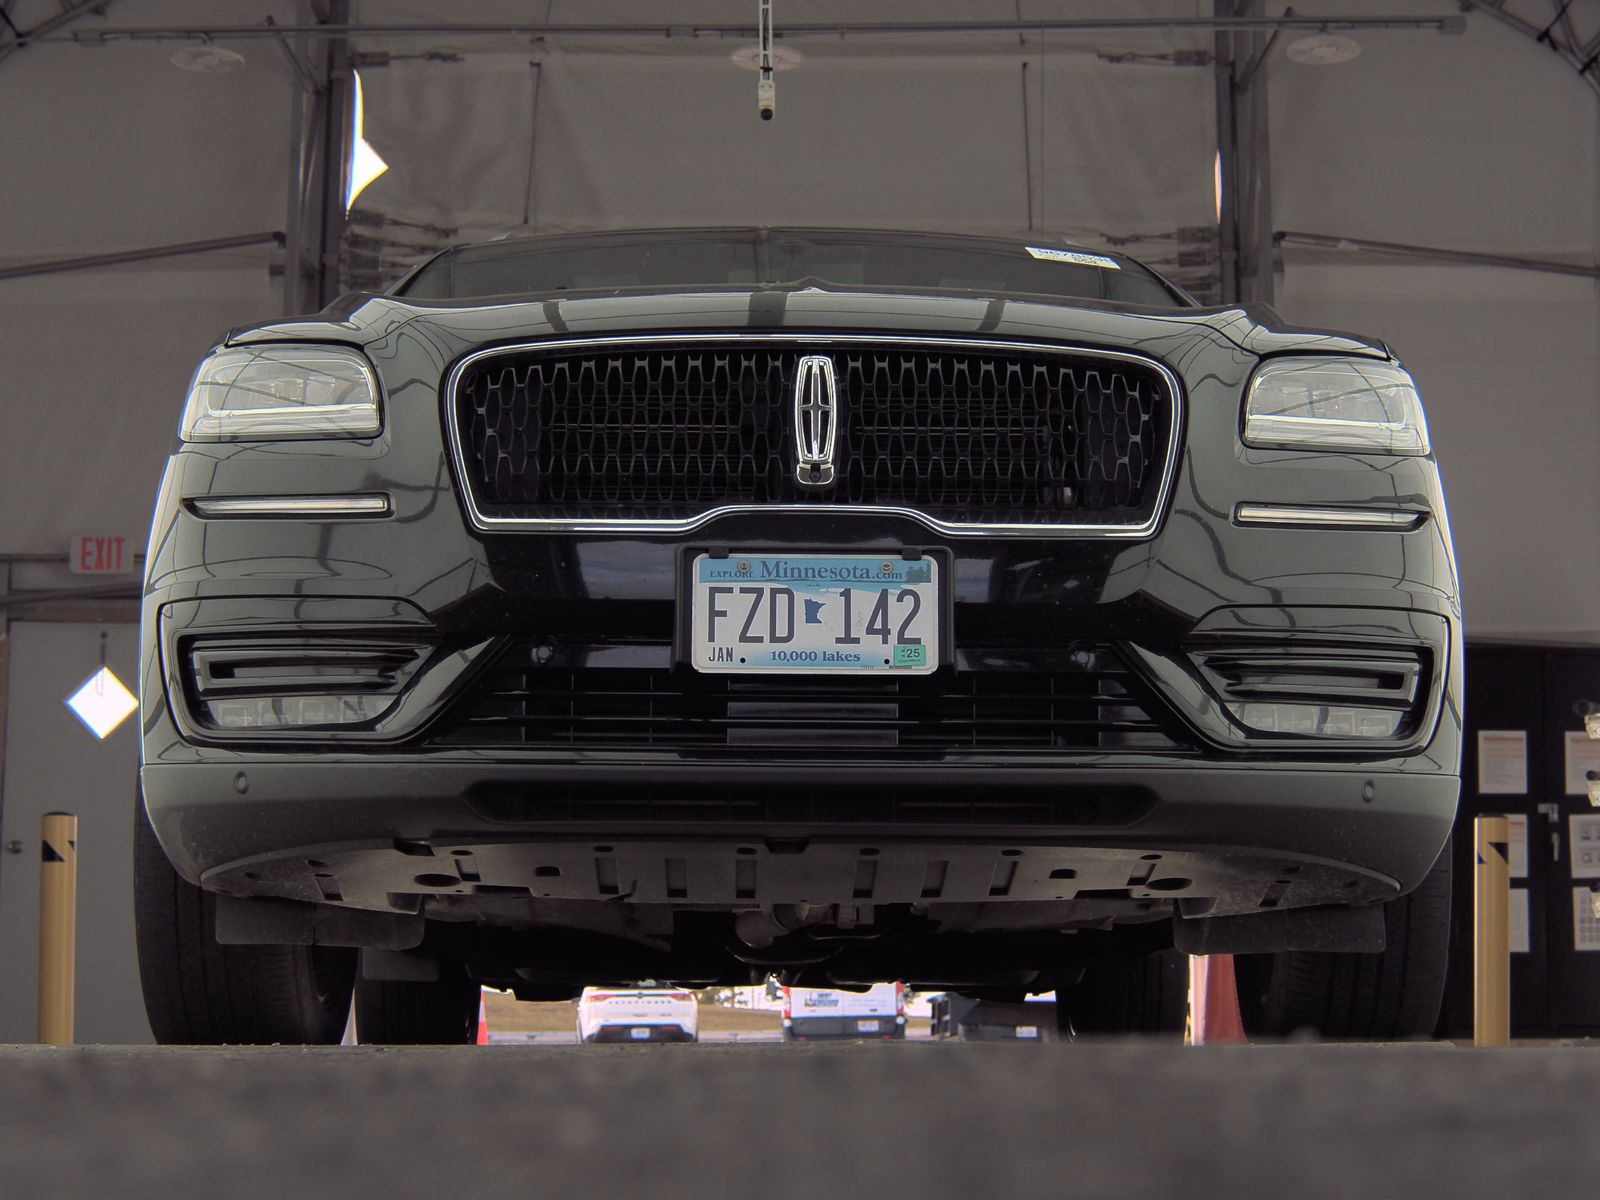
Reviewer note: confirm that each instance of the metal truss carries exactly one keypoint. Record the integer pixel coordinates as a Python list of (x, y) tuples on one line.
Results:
[(13, 38), (1308, 22), (1550, 23)]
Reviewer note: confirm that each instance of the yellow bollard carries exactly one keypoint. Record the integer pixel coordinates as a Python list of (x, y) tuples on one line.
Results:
[(58, 927), (1491, 934)]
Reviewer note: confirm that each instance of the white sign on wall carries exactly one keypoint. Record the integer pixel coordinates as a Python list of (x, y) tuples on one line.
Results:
[(1502, 762), (1517, 844), (1583, 756), (1583, 841)]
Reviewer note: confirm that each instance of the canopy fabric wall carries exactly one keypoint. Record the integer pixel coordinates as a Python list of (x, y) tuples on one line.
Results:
[(1481, 141)]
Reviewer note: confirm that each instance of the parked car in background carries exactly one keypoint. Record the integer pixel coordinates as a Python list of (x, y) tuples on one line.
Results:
[(813, 1013), (638, 1015)]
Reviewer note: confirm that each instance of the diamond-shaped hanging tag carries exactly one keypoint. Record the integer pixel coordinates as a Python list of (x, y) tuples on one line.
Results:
[(102, 703)]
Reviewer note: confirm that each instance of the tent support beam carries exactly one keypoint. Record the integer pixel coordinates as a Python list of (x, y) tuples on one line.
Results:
[(301, 171), (1227, 163), (335, 106), (68, 14), (295, 53), (1580, 58), (836, 29), (89, 262), (1435, 253), (1245, 220), (1256, 249)]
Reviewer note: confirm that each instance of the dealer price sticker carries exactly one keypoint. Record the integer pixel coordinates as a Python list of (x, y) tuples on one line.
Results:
[(805, 613)]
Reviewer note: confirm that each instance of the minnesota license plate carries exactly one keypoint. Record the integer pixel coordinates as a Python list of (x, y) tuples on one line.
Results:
[(876, 615)]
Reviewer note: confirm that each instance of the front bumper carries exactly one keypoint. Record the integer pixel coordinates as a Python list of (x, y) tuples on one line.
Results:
[(617, 1035), (385, 833), (388, 820)]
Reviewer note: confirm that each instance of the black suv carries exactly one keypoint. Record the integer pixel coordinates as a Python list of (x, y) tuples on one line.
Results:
[(696, 605)]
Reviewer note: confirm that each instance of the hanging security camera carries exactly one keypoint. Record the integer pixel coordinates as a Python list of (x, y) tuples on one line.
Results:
[(766, 89)]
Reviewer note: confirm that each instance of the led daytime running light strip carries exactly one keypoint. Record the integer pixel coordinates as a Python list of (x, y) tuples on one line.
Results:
[(1303, 516), (292, 506)]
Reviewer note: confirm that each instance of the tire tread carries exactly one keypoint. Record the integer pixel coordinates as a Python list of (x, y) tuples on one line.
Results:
[(199, 992), (1390, 996), (395, 1013)]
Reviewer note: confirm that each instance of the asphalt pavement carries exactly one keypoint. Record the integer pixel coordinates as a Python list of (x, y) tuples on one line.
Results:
[(924, 1120)]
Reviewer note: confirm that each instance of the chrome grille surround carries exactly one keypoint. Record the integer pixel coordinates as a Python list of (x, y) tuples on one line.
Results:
[(488, 522)]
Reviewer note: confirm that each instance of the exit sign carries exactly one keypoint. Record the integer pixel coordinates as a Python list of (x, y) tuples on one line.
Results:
[(100, 554)]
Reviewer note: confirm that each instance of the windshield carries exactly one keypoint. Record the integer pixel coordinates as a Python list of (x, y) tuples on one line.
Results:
[(678, 260)]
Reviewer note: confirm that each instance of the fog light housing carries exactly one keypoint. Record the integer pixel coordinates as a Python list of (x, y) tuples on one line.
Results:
[(295, 712), (278, 686), (1319, 720)]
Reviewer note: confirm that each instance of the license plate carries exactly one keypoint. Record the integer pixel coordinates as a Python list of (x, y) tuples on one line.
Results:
[(801, 613), (639, 1035), (866, 1027)]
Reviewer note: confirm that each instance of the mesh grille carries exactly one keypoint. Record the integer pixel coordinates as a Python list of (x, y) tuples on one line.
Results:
[(519, 703), (997, 436)]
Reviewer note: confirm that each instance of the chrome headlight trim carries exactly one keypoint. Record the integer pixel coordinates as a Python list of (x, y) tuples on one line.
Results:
[(1326, 403), (339, 395)]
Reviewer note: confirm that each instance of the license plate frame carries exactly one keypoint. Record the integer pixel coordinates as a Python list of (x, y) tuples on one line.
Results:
[(939, 589)]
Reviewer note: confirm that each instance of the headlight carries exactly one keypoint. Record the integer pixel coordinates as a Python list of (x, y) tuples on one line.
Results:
[(259, 392), (1334, 404)]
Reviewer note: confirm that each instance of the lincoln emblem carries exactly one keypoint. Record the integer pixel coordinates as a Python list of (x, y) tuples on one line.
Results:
[(816, 419)]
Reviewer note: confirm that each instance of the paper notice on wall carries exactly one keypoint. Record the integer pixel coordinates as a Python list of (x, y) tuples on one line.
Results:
[(1583, 841), (1502, 762), (1517, 844), (1583, 756), (1517, 918), (1585, 922)]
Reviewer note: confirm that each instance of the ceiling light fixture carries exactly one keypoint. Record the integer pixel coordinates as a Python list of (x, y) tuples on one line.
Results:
[(206, 59), (1323, 49)]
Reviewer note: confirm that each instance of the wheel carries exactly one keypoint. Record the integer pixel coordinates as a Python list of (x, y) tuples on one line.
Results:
[(1131, 994), (1392, 996), (396, 1013), (198, 992)]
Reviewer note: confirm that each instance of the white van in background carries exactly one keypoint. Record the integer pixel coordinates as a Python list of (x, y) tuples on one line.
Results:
[(878, 1012), (638, 1015)]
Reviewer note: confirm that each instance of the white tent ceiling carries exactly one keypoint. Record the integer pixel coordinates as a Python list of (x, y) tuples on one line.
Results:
[(1482, 141)]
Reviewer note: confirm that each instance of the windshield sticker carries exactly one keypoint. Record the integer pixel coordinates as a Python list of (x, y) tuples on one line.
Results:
[(1075, 256)]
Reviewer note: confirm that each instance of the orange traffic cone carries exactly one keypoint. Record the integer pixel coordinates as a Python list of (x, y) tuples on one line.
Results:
[(1214, 1002), (483, 1021)]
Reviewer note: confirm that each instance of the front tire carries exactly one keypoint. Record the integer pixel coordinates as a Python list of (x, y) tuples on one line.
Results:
[(1391, 996), (199, 992), (396, 1013), (1134, 994)]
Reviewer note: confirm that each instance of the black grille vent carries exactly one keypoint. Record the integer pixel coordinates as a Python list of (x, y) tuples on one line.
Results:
[(517, 703), (963, 435)]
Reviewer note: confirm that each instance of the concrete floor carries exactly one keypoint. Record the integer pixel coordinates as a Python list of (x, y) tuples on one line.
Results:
[(929, 1120)]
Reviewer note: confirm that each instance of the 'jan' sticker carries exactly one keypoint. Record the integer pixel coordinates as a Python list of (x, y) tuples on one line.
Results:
[(1075, 256)]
